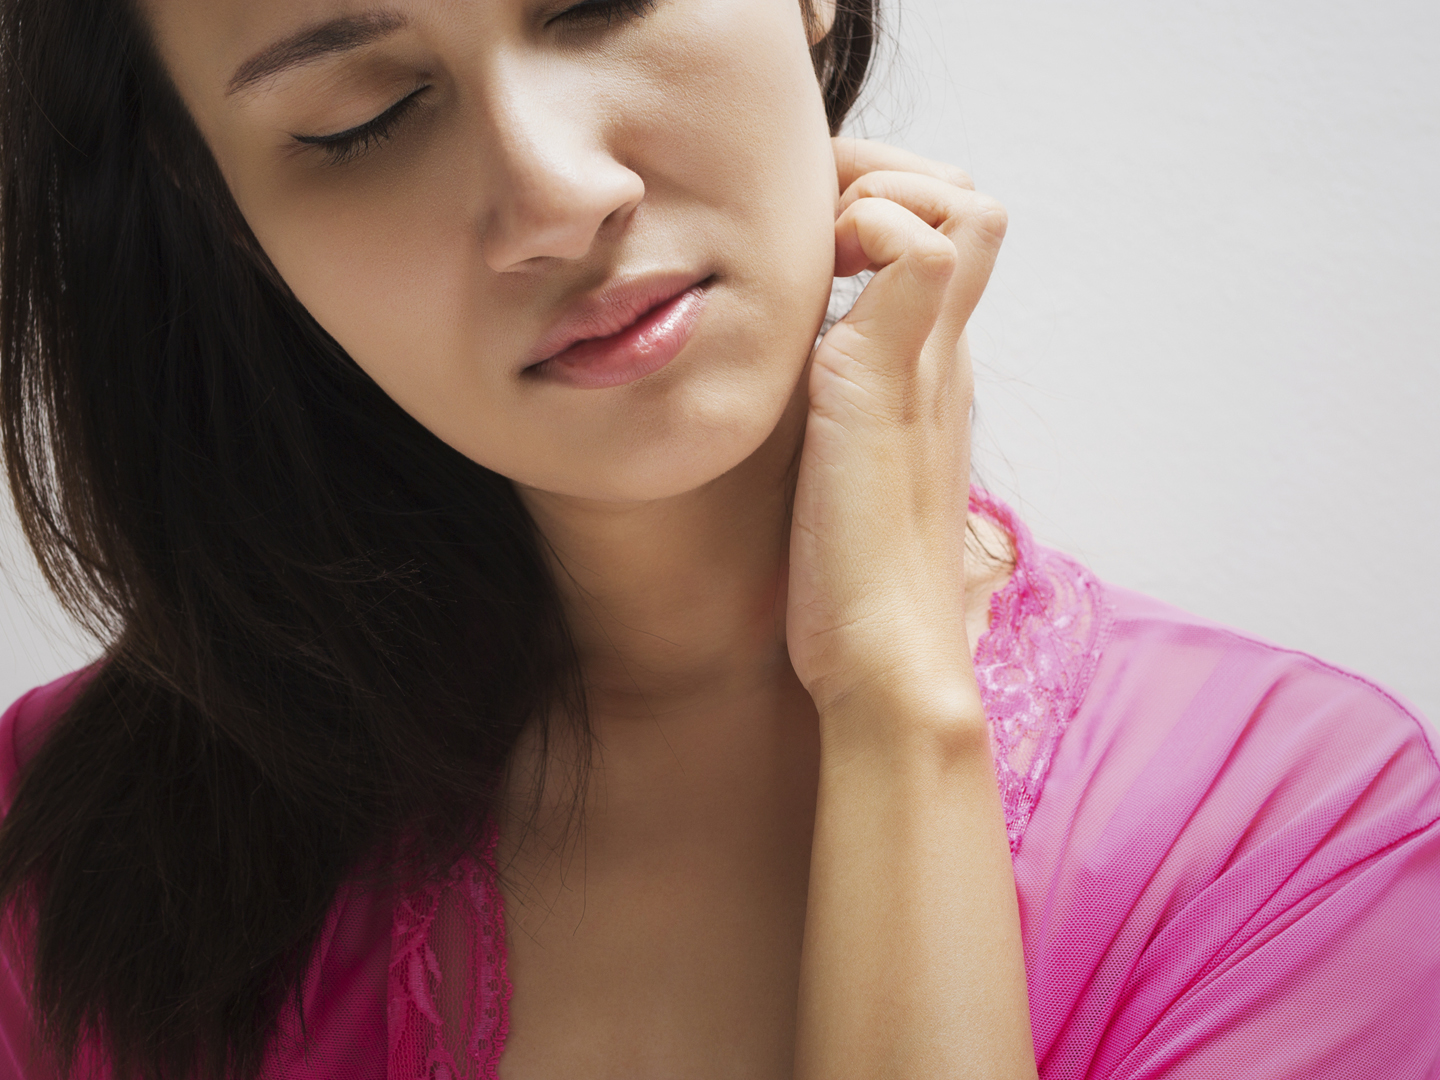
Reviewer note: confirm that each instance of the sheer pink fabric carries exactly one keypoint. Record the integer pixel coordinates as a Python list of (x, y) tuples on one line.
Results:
[(1227, 857)]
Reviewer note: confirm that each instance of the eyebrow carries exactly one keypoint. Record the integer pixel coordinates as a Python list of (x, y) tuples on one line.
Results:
[(323, 39)]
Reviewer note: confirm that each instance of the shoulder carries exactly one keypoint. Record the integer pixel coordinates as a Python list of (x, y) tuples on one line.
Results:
[(1183, 697), (1233, 840), (23, 727), (26, 723)]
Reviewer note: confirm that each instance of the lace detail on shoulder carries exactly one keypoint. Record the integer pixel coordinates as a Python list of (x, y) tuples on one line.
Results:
[(1048, 626), (448, 1001)]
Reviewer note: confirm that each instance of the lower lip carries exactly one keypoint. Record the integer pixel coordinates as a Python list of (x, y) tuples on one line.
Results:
[(645, 346)]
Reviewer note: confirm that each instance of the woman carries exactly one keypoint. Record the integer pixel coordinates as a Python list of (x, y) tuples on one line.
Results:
[(531, 654)]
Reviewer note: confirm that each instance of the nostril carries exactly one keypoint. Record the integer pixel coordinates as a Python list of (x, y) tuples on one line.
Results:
[(559, 212)]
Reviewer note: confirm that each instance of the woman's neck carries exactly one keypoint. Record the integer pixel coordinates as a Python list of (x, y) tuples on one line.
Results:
[(682, 599), (680, 602), (678, 611)]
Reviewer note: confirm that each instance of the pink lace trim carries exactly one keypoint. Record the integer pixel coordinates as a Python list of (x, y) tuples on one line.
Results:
[(449, 990), (1048, 626), (448, 1001)]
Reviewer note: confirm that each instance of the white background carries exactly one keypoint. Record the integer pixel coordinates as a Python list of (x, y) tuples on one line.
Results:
[(1207, 361)]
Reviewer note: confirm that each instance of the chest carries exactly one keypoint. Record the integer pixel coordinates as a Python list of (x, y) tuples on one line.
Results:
[(683, 962)]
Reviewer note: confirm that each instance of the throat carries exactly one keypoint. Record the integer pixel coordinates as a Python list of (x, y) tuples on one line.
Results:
[(730, 771)]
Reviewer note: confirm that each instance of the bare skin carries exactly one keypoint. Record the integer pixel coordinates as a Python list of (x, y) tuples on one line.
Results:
[(793, 861), (686, 884)]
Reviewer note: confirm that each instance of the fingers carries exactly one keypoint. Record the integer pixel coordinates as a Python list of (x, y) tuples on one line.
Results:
[(940, 204), (932, 241), (897, 311), (974, 224), (873, 233), (856, 157)]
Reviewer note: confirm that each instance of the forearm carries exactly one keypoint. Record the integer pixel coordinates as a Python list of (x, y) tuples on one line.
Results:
[(912, 965)]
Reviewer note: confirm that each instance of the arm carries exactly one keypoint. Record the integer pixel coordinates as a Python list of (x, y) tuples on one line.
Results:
[(912, 964)]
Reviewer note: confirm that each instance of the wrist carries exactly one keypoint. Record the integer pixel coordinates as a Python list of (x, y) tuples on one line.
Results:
[(937, 719)]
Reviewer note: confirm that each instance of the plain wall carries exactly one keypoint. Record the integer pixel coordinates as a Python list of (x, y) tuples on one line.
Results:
[(1207, 361)]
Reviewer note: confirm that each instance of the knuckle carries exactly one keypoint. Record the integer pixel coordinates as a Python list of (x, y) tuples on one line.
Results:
[(990, 217), (935, 257), (867, 188), (958, 177)]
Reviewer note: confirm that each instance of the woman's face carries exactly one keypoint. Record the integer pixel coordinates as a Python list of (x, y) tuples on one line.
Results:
[(541, 170)]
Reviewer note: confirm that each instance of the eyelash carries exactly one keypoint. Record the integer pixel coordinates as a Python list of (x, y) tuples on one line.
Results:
[(607, 10), (355, 142)]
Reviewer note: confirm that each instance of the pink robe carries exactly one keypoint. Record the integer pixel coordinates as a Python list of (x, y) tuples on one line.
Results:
[(1227, 856)]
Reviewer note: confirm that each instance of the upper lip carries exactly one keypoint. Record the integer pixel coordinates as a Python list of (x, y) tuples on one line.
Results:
[(611, 308)]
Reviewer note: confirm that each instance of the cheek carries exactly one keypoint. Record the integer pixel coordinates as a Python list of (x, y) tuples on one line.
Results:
[(389, 274), (398, 278), (734, 136), (754, 146), (735, 119)]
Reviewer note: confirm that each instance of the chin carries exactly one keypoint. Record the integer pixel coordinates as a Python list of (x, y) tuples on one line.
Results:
[(723, 438), (729, 408)]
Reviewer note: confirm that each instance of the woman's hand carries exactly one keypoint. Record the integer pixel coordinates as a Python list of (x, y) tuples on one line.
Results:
[(912, 965), (876, 580)]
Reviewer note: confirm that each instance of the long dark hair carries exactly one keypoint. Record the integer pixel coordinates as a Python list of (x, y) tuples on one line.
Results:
[(323, 628)]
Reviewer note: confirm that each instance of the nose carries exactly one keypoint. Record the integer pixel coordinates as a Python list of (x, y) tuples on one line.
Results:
[(557, 185)]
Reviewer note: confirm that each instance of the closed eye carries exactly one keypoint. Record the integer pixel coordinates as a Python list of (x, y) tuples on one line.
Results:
[(605, 11), (343, 146)]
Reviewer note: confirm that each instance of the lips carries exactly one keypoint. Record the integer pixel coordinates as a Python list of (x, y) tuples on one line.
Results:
[(622, 332), (611, 310)]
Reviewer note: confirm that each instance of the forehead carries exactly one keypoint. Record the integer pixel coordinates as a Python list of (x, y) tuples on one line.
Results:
[(212, 47)]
